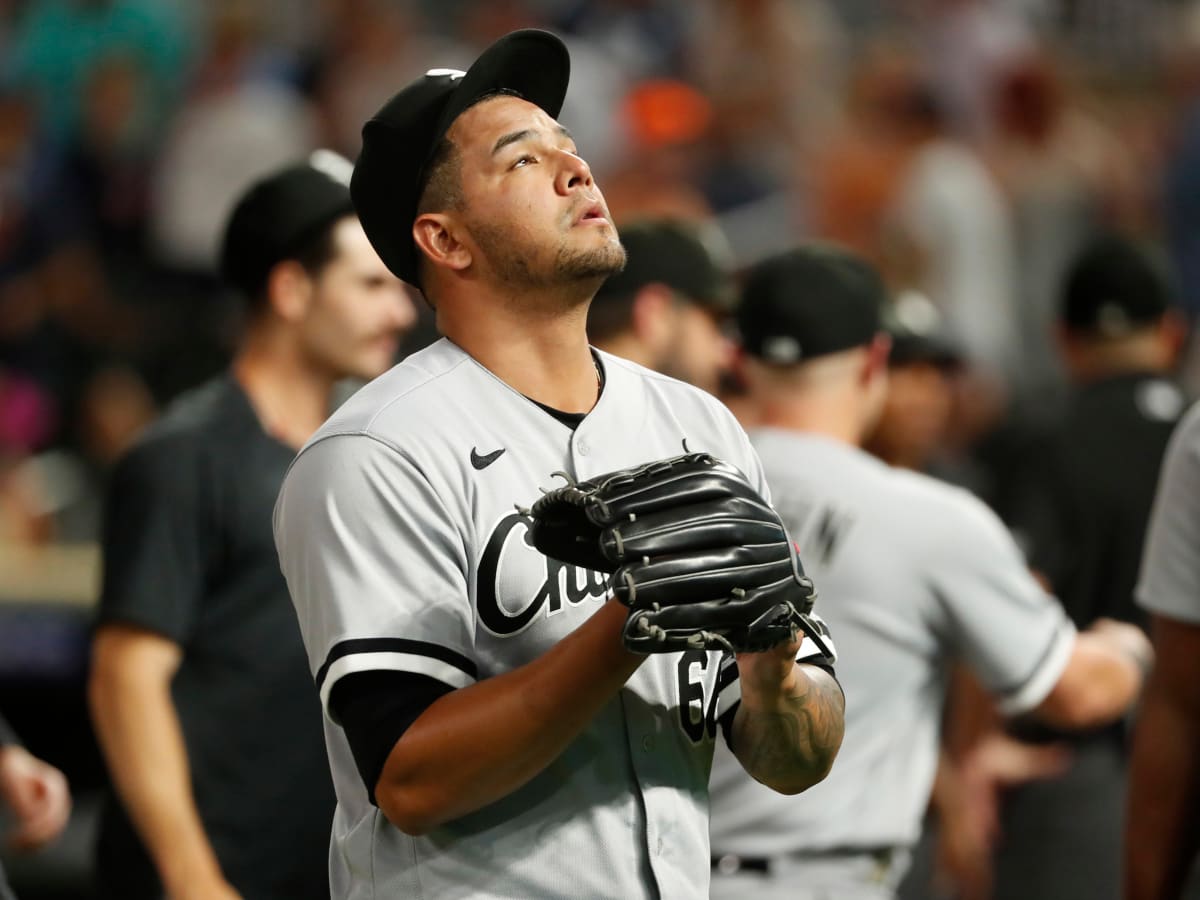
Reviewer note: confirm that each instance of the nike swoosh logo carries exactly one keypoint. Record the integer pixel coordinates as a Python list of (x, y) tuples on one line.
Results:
[(482, 462)]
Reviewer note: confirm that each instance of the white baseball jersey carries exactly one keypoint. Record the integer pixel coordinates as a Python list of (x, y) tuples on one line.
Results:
[(399, 536), (911, 573), (1169, 583)]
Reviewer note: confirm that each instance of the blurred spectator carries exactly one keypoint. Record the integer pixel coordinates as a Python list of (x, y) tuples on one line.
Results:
[(858, 168), (1065, 176), (645, 38), (667, 308), (772, 69), (372, 46), (950, 216), (967, 42), (659, 174), (239, 121), (57, 315), (33, 795), (57, 43)]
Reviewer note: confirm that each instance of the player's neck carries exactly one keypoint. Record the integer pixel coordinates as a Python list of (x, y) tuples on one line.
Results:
[(289, 396), (829, 414), (543, 355)]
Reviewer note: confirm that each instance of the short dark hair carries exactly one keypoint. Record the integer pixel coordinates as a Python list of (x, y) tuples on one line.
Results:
[(313, 253), (442, 187)]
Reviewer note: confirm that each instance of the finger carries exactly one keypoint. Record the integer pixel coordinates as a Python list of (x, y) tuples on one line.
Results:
[(48, 812)]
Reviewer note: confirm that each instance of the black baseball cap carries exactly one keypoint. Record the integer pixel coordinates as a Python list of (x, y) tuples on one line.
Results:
[(399, 140), (1113, 287), (918, 333), (809, 302), (279, 213), (676, 254)]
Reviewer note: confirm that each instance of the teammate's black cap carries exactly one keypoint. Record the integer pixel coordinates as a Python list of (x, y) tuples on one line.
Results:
[(918, 333), (1113, 287), (278, 213), (675, 254), (808, 302), (400, 139)]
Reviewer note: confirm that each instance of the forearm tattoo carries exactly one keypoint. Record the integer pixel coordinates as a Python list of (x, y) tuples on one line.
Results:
[(796, 742)]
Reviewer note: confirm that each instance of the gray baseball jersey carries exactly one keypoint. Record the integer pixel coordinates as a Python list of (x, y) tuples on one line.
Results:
[(1169, 583), (911, 573), (403, 548)]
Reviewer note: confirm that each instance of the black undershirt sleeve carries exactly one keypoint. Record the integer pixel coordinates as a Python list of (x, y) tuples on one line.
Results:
[(375, 709)]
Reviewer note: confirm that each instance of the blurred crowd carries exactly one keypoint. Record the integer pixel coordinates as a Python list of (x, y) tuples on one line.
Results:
[(969, 149), (966, 147)]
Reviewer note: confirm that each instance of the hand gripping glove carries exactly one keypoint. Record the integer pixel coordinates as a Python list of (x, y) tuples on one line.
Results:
[(690, 547)]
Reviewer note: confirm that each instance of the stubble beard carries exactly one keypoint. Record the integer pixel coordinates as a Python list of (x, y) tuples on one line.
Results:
[(569, 267)]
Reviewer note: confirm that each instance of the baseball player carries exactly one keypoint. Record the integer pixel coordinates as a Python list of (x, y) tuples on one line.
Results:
[(199, 688), (488, 732), (914, 572), (1084, 530), (1161, 835), (667, 308)]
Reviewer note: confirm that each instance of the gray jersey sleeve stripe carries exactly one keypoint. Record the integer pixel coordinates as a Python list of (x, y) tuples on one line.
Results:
[(395, 646), (1050, 665)]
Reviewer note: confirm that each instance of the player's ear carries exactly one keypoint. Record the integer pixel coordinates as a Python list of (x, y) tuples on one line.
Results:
[(437, 236), (289, 290)]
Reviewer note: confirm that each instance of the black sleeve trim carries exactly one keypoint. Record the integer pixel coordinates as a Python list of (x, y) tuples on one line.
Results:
[(395, 645), (375, 709)]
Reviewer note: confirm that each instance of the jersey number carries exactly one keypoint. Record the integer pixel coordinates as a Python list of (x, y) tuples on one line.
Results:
[(696, 717)]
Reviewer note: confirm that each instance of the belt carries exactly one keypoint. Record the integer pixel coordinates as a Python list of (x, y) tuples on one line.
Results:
[(731, 863)]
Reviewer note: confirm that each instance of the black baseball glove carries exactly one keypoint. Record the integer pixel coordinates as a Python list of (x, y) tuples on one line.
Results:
[(691, 548)]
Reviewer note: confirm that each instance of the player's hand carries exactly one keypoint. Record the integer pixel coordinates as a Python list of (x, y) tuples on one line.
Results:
[(1129, 638), (770, 671), (38, 796)]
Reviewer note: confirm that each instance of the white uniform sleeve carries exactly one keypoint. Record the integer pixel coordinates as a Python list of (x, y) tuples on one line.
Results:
[(375, 567), (1169, 583), (819, 649), (1014, 636)]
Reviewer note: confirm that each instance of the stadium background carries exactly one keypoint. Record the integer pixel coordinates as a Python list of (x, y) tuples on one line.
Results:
[(966, 146)]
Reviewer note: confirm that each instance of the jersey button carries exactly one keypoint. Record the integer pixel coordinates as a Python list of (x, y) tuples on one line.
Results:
[(582, 447), (647, 743)]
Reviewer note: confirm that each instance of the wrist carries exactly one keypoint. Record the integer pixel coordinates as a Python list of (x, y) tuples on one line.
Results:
[(770, 677), (183, 873)]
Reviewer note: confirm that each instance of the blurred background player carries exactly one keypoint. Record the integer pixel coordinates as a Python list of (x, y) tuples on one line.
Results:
[(199, 688), (914, 421), (34, 799), (917, 573), (668, 309), (1079, 501), (1161, 835)]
